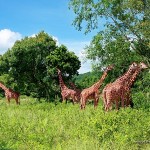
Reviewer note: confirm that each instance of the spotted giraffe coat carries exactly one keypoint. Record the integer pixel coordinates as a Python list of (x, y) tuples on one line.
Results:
[(10, 94)]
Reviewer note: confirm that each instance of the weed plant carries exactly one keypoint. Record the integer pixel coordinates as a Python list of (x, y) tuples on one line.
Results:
[(60, 126)]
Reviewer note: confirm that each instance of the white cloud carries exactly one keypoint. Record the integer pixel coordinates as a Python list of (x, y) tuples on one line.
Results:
[(7, 39), (56, 39), (33, 35), (78, 48)]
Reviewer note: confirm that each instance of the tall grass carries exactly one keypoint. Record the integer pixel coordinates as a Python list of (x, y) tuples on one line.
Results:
[(46, 126)]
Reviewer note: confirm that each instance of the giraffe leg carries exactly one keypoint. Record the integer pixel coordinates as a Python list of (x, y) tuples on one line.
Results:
[(17, 101), (83, 104), (83, 101), (104, 100), (95, 102), (76, 99), (122, 99), (73, 100), (96, 99), (63, 99), (122, 102), (8, 100), (117, 105), (108, 105), (129, 101)]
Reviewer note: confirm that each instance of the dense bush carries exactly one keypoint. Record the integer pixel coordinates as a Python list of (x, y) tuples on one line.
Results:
[(47, 126), (29, 67)]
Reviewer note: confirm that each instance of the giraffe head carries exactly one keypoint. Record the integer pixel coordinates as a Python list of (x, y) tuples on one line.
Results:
[(143, 65), (133, 67), (110, 67), (58, 71)]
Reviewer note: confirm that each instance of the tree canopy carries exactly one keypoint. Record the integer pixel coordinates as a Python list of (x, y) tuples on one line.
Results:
[(125, 37), (30, 65)]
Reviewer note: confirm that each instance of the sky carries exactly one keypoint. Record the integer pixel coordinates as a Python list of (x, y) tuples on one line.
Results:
[(20, 18)]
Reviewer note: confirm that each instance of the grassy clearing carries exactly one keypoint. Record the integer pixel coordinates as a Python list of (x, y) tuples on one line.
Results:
[(46, 126)]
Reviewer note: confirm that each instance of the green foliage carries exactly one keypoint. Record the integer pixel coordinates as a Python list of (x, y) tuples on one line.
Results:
[(141, 92), (34, 125), (62, 59), (31, 65), (87, 79), (124, 39)]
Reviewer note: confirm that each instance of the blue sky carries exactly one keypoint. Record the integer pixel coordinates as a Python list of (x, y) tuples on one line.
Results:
[(20, 18)]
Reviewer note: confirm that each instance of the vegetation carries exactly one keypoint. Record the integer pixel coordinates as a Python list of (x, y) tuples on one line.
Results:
[(30, 66), (125, 37), (57, 126), (87, 79)]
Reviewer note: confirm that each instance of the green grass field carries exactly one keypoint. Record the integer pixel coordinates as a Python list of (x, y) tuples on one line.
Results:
[(47, 126)]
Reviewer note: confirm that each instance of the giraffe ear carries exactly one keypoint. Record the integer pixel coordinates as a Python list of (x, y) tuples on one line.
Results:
[(110, 67), (134, 64), (143, 65)]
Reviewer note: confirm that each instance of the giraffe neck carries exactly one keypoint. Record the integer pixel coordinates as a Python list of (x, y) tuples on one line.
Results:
[(99, 83), (126, 77), (3, 87), (133, 78), (61, 82)]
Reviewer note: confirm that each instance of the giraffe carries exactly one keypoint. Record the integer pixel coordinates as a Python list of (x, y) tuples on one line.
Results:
[(127, 88), (113, 91), (65, 91), (93, 91), (119, 90), (10, 94), (78, 91)]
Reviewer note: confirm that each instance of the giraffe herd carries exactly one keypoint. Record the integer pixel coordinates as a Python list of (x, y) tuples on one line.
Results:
[(117, 92)]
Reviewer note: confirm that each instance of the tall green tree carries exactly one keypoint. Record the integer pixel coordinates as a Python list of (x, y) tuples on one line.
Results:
[(125, 37), (31, 65)]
